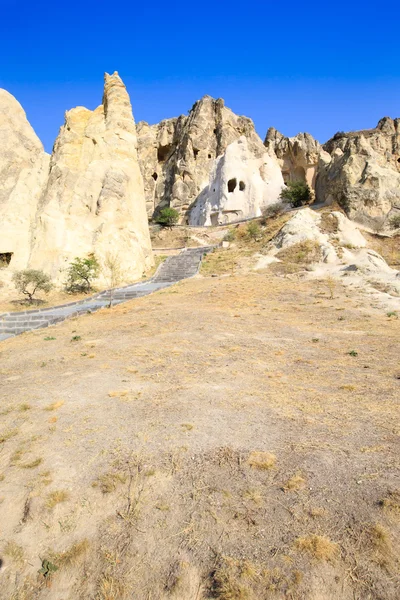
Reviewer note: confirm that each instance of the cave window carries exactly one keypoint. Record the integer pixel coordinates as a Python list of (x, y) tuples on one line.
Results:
[(232, 185), (209, 156), (195, 152), (163, 152), (155, 176), (5, 259), (398, 160), (215, 131), (242, 186)]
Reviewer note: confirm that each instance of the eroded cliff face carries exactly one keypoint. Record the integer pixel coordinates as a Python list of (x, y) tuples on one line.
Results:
[(363, 175), (177, 155), (94, 198), (23, 175), (298, 156), (240, 187)]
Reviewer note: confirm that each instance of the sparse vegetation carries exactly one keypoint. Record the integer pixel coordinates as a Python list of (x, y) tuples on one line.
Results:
[(273, 210), (56, 497), (318, 547), (81, 273), (113, 272), (109, 481), (32, 281), (253, 231), (261, 460), (395, 222), (297, 193), (167, 217), (69, 558)]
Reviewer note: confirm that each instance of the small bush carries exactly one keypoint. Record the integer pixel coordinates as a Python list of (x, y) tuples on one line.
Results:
[(81, 273), (395, 222), (273, 210), (167, 217), (229, 236), (31, 281), (253, 231), (297, 193)]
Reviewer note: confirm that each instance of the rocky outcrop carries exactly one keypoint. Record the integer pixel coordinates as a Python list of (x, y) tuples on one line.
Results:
[(363, 175), (298, 156), (240, 186), (94, 198), (23, 174), (177, 155)]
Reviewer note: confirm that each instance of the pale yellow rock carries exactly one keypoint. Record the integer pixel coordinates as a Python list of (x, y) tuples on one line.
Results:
[(94, 199), (23, 174)]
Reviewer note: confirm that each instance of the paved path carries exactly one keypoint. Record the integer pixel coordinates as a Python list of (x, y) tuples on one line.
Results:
[(174, 269)]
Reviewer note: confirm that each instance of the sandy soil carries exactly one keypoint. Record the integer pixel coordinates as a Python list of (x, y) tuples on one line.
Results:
[(232, 437)]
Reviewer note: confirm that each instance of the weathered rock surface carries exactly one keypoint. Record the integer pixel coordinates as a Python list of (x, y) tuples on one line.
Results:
[(298, 156), (23, 174), (94, 198), (240, 186), (177, 155), (363, 175)]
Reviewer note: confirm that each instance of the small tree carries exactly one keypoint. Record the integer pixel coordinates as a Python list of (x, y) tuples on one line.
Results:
[(112, 272), (395, 222), (168, 217), (253, 231), (297, 193), (31, 281), (81, 273)]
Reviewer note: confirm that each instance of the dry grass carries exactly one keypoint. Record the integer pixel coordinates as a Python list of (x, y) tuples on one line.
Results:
[(56, 497), (6, 435), (302, 253), (118, 393), (33, 464), (381, 544), (70, 557), (295, 483), (391, 503), (14, 551), (261, 460), (109, 481), (229, 583), (318, 546)]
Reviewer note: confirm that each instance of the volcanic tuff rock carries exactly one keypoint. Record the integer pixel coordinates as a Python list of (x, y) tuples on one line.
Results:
[(298, 156), (23, 173), (177, 155), (240, 186), (94, 199), (363, 175)]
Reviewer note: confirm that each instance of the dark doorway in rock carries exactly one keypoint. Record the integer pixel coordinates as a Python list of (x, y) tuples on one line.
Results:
[(242, 186), (232, 185), (195, 153), (398, 160), (5, 259), (163, 152), (209, 156), (155, 176)]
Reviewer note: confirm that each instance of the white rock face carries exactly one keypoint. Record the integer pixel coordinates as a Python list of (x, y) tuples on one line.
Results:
[(94, 198), (363, 175), (23, 173), (240, 186)]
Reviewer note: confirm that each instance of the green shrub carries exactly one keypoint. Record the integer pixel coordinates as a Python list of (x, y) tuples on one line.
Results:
[(297, 193), (273, 210), (395, 222), (253, 231), (31, 281), (229, 236), (81, 273), (168, 217)]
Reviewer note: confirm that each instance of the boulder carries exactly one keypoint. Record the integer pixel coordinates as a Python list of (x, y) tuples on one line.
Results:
[(94, 199), (23, 173), (177, 155), (240, 186), (363, 174)]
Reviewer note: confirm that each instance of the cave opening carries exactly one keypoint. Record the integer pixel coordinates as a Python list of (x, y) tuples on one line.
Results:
[(155, 176), (195, 153), (242, 186), (5, 259), (232, 183), (163, 152)]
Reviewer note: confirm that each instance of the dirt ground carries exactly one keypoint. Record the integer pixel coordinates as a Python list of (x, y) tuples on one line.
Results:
[(231, 437)]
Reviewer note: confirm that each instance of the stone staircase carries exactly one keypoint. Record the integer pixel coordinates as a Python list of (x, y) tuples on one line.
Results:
[(174, 269)]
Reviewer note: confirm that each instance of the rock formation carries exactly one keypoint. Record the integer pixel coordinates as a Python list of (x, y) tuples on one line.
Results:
[(23, 173), (298, 156), (94, 198), (177, 155), (240, 186), (363, 175)]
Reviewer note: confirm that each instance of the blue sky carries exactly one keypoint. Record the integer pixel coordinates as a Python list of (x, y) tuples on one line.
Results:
[(298, 66)]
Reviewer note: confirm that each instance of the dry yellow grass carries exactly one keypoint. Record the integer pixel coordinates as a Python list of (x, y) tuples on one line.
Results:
[(56, 497), (71, 556), (318, 546), (295, 483), (118, 393), (261, 460), (54, 405), (14, 551)]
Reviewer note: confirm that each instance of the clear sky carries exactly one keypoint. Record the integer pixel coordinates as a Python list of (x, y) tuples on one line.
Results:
[(313, 66)]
